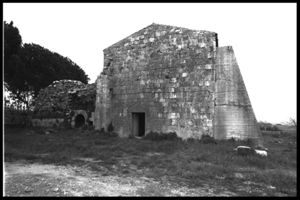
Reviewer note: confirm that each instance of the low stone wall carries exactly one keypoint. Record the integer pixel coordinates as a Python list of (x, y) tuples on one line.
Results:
[(64, 122), (51, 122), (14, 117)]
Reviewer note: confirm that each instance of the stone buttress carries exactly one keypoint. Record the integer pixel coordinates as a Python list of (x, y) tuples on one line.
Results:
[(234, 116)]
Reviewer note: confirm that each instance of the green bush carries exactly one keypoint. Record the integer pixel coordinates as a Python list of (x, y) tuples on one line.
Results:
[(268, 127), (207, 139), (102, 130), (110, 127), (160, 136), (104, 133)]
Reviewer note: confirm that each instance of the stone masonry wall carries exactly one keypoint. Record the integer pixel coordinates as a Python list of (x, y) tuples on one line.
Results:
[(166, 72), (103, 103)]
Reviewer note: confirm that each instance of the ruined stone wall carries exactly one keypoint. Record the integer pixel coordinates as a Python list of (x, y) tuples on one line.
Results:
[(164, 71), (234, 116), (64, 99)]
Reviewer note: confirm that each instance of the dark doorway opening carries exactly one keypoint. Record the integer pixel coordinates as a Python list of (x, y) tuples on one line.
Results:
[(79, 121), (138, 124)]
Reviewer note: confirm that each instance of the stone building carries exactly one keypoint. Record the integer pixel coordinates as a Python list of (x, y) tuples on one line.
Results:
[(172, 79)]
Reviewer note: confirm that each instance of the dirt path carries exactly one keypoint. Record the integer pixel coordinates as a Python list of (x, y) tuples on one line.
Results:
[(34, 179)]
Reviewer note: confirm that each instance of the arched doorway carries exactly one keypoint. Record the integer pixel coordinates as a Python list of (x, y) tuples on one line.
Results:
[(79, 118), (79, 121)]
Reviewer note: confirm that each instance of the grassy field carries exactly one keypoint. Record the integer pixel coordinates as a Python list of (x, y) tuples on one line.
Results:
[(191, 163)]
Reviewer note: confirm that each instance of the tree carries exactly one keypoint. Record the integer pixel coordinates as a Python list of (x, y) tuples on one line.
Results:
[(42, 67), (293, 122), (12, 41), (32, 67)]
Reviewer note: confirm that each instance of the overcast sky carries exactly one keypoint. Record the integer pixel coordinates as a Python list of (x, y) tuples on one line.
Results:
[(263, 37)]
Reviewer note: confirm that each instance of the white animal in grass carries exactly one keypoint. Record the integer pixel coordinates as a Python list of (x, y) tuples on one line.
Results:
[(261, 152), (245, 150)]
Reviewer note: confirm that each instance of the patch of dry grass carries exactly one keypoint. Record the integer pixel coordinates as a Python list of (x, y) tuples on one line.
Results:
[(192, 162)]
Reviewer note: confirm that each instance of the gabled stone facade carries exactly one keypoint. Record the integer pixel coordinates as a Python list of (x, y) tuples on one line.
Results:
[(171, 79)]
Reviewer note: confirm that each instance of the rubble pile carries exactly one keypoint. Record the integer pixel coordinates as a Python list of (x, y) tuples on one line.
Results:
[(54, 99), (83, 98)]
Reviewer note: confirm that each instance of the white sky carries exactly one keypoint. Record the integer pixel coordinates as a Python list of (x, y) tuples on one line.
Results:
[(263, 37)]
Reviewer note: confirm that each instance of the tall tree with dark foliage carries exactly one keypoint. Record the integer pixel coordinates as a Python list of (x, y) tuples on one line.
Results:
[(31, 67)]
